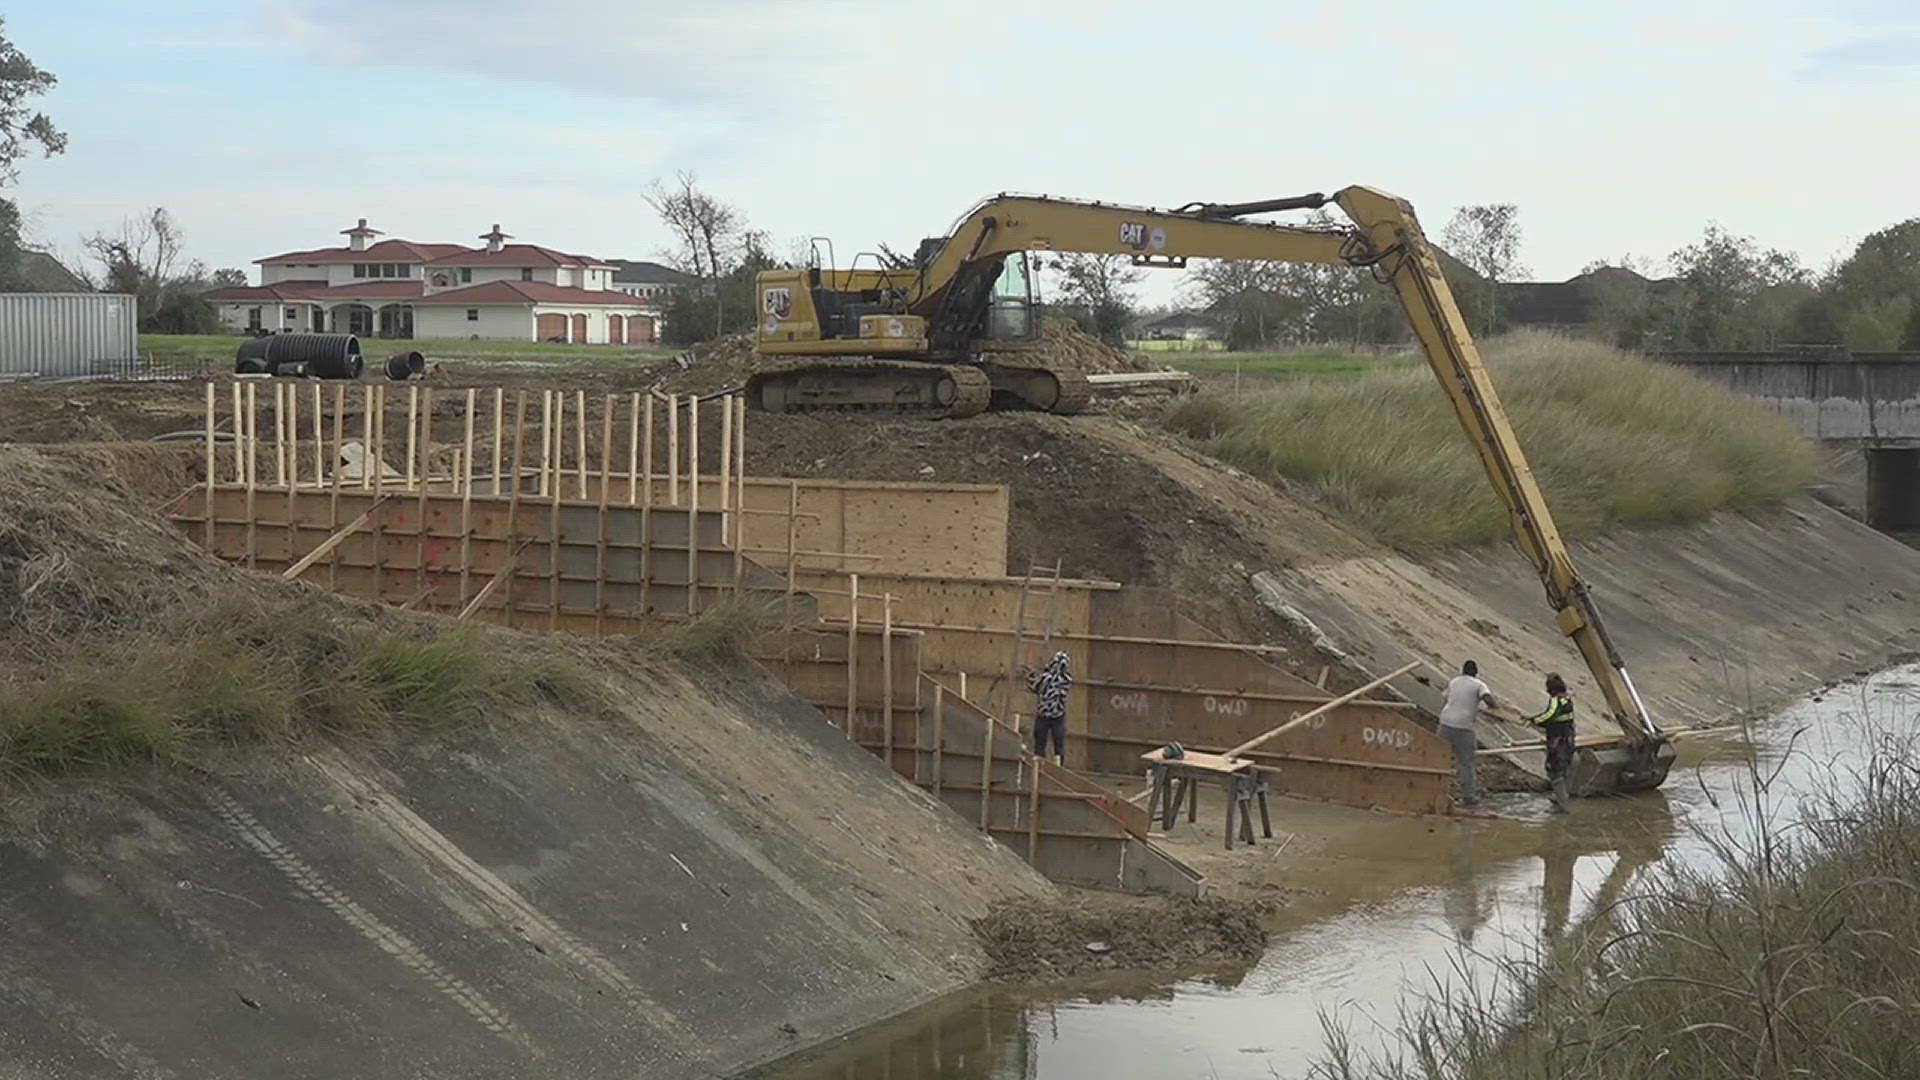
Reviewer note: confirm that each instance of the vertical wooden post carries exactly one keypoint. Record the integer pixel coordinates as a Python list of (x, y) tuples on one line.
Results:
[(553, 514), (939, 740), (1033, 807), (279, 433), (510, 569), (413, 431), (333, 499), (290, 444), (379, 467), (580, 404), (886, 674), (633, 453), (499, 434), (786, 637), (466, 504), (366, 436), (600, 548), (253, 404), (424, 479), (673, 450), (740, 495), (546, 436), (963, 687), (319, 443), (646, 509), (206, 540), (239, 435), (693, 504), (853, 649), (726, 470), (986, 774)]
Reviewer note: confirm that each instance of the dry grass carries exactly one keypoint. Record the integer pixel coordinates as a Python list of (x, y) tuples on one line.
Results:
[(121, 643), (1614, 439)]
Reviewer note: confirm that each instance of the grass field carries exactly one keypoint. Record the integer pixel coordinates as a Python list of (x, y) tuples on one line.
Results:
[(1291, 363), (1613, 439)]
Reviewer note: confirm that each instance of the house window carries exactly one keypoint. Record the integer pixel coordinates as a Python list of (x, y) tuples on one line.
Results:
[(473, 314), (359, 269), (292, 315), (253, 318), (526, 273), (466, 274)]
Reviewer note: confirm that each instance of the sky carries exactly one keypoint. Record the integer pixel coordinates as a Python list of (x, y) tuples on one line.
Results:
[(1617, 127)]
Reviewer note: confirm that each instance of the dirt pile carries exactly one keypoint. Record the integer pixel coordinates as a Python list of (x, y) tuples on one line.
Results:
[(1032, 940), (1064, 345)]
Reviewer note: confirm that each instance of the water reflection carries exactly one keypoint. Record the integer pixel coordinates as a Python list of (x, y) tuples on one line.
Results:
[(1491, 892)]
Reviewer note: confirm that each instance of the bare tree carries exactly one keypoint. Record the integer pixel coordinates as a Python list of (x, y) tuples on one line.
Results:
[(707, 232), (1486, 238), (1100, 285), (143, 259)]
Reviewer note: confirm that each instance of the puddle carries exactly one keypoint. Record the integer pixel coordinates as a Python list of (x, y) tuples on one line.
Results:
[(1488, 892)]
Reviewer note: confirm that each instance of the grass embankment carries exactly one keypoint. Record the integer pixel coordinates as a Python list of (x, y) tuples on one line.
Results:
[(1614, 439), (1333, 362), (1798, 956)]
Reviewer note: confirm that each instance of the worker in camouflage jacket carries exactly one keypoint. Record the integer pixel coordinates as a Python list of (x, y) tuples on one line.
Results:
[(1050, 684)]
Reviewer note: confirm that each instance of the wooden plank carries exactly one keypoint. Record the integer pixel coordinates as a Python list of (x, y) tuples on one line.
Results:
[(466, 500), (1350, 695), (339, 448), (693, 510), (207, 540), (331, 542)]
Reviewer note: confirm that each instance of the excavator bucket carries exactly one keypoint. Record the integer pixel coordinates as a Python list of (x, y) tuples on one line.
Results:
[(1622, 767)]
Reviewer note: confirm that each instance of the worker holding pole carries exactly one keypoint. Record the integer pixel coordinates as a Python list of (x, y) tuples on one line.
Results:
[(1050, 684), (1556, 723)]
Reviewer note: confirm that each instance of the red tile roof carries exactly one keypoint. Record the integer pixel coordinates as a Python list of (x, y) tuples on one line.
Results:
[(517, 255), (532, 292), (384, 251), (309, 291)]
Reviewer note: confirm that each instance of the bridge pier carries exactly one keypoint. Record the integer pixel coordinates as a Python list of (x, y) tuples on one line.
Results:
[(1893, 490)]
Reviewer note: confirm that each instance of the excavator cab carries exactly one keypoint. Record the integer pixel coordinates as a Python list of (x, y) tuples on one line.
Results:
[(1010, 317)]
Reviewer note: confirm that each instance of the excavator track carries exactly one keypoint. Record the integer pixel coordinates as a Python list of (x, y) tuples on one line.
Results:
[(1054, 390), (874, 387)]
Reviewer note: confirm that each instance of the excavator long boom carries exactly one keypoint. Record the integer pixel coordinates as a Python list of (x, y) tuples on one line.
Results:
[(1386, 239)]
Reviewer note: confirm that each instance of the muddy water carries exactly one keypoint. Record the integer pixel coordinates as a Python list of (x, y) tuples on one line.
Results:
[(1487, 891)]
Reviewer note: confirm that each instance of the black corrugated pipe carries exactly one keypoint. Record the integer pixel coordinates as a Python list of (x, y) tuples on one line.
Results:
[(406, 365), (323, 356)]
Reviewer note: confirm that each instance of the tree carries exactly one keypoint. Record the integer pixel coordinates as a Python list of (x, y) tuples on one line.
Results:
[(707, 233), (1098, 291), (20, 131), (1873, 296), (229, 276), (143, 259), (1280, 303), (1487, 239), (731, 304), (1733, 294)]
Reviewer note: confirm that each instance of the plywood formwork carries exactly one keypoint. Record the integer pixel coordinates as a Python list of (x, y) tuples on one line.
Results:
[(1147, 675)]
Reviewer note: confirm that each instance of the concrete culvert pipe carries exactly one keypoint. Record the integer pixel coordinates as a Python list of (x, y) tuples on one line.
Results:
[(406, 365), (324, 356)]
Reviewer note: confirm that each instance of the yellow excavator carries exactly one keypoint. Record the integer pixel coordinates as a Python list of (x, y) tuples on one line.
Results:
[(944, 337)]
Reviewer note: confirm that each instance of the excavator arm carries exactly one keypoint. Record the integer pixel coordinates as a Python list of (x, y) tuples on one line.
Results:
[(1386, 239)]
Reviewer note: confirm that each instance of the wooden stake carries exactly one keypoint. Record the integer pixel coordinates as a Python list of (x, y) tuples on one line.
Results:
[(693, 503), (253, 404), (580, 403), (366, 437), (334, 541), (853, 648), (319, 443), (379, 490), (239, 437), (939, 739), (425, 478), (726, 470), (413, 430), (206, 540), (499, 435), (333, 499), (1033, 808), (600, 547), (290, 446), (546, 437), (280, 433), (986, 774), (740, 496), (646, 510), (466, 501), (886, 675), (793, 515), (1311, 713), (553, 518), (633, 452), (673, 450), (513, 500)]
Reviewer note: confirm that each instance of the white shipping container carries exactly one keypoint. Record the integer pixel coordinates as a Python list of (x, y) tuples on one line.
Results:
[(63, 334)]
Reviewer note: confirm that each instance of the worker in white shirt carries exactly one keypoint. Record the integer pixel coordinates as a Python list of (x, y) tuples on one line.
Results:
[(1466, 696)]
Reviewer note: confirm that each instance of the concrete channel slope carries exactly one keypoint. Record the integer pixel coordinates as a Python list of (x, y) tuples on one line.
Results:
[(705, 881)]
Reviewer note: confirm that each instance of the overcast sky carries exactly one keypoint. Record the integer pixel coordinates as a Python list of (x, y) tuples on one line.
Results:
[(1617, 127)]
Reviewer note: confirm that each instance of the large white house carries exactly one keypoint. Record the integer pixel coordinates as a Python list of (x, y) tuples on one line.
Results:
[(400, 289)]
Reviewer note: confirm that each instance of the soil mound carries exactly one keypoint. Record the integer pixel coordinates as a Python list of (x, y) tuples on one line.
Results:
[(1031, 940)]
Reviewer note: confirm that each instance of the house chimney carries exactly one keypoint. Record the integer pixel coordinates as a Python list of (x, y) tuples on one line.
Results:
[(495, 240), (358, 236)]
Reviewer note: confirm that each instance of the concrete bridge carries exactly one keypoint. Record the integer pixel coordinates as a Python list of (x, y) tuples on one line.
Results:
[(1868, 400)]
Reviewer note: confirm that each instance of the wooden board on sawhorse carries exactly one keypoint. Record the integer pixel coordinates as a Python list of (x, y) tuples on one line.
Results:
[(1174, 780)]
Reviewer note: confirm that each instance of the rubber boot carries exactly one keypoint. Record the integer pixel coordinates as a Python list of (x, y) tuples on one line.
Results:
[(1560, 795)]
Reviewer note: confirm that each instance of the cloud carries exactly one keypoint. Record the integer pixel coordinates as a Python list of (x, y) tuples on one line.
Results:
[(1876, 59)]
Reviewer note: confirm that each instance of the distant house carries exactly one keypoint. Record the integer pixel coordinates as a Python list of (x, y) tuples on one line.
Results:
[(649, 280), (1184, 326), (402, 289), (1573, 305), (41, 272)]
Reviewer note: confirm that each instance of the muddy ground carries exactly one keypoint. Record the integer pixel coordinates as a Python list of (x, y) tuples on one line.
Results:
[(1087, 933)]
